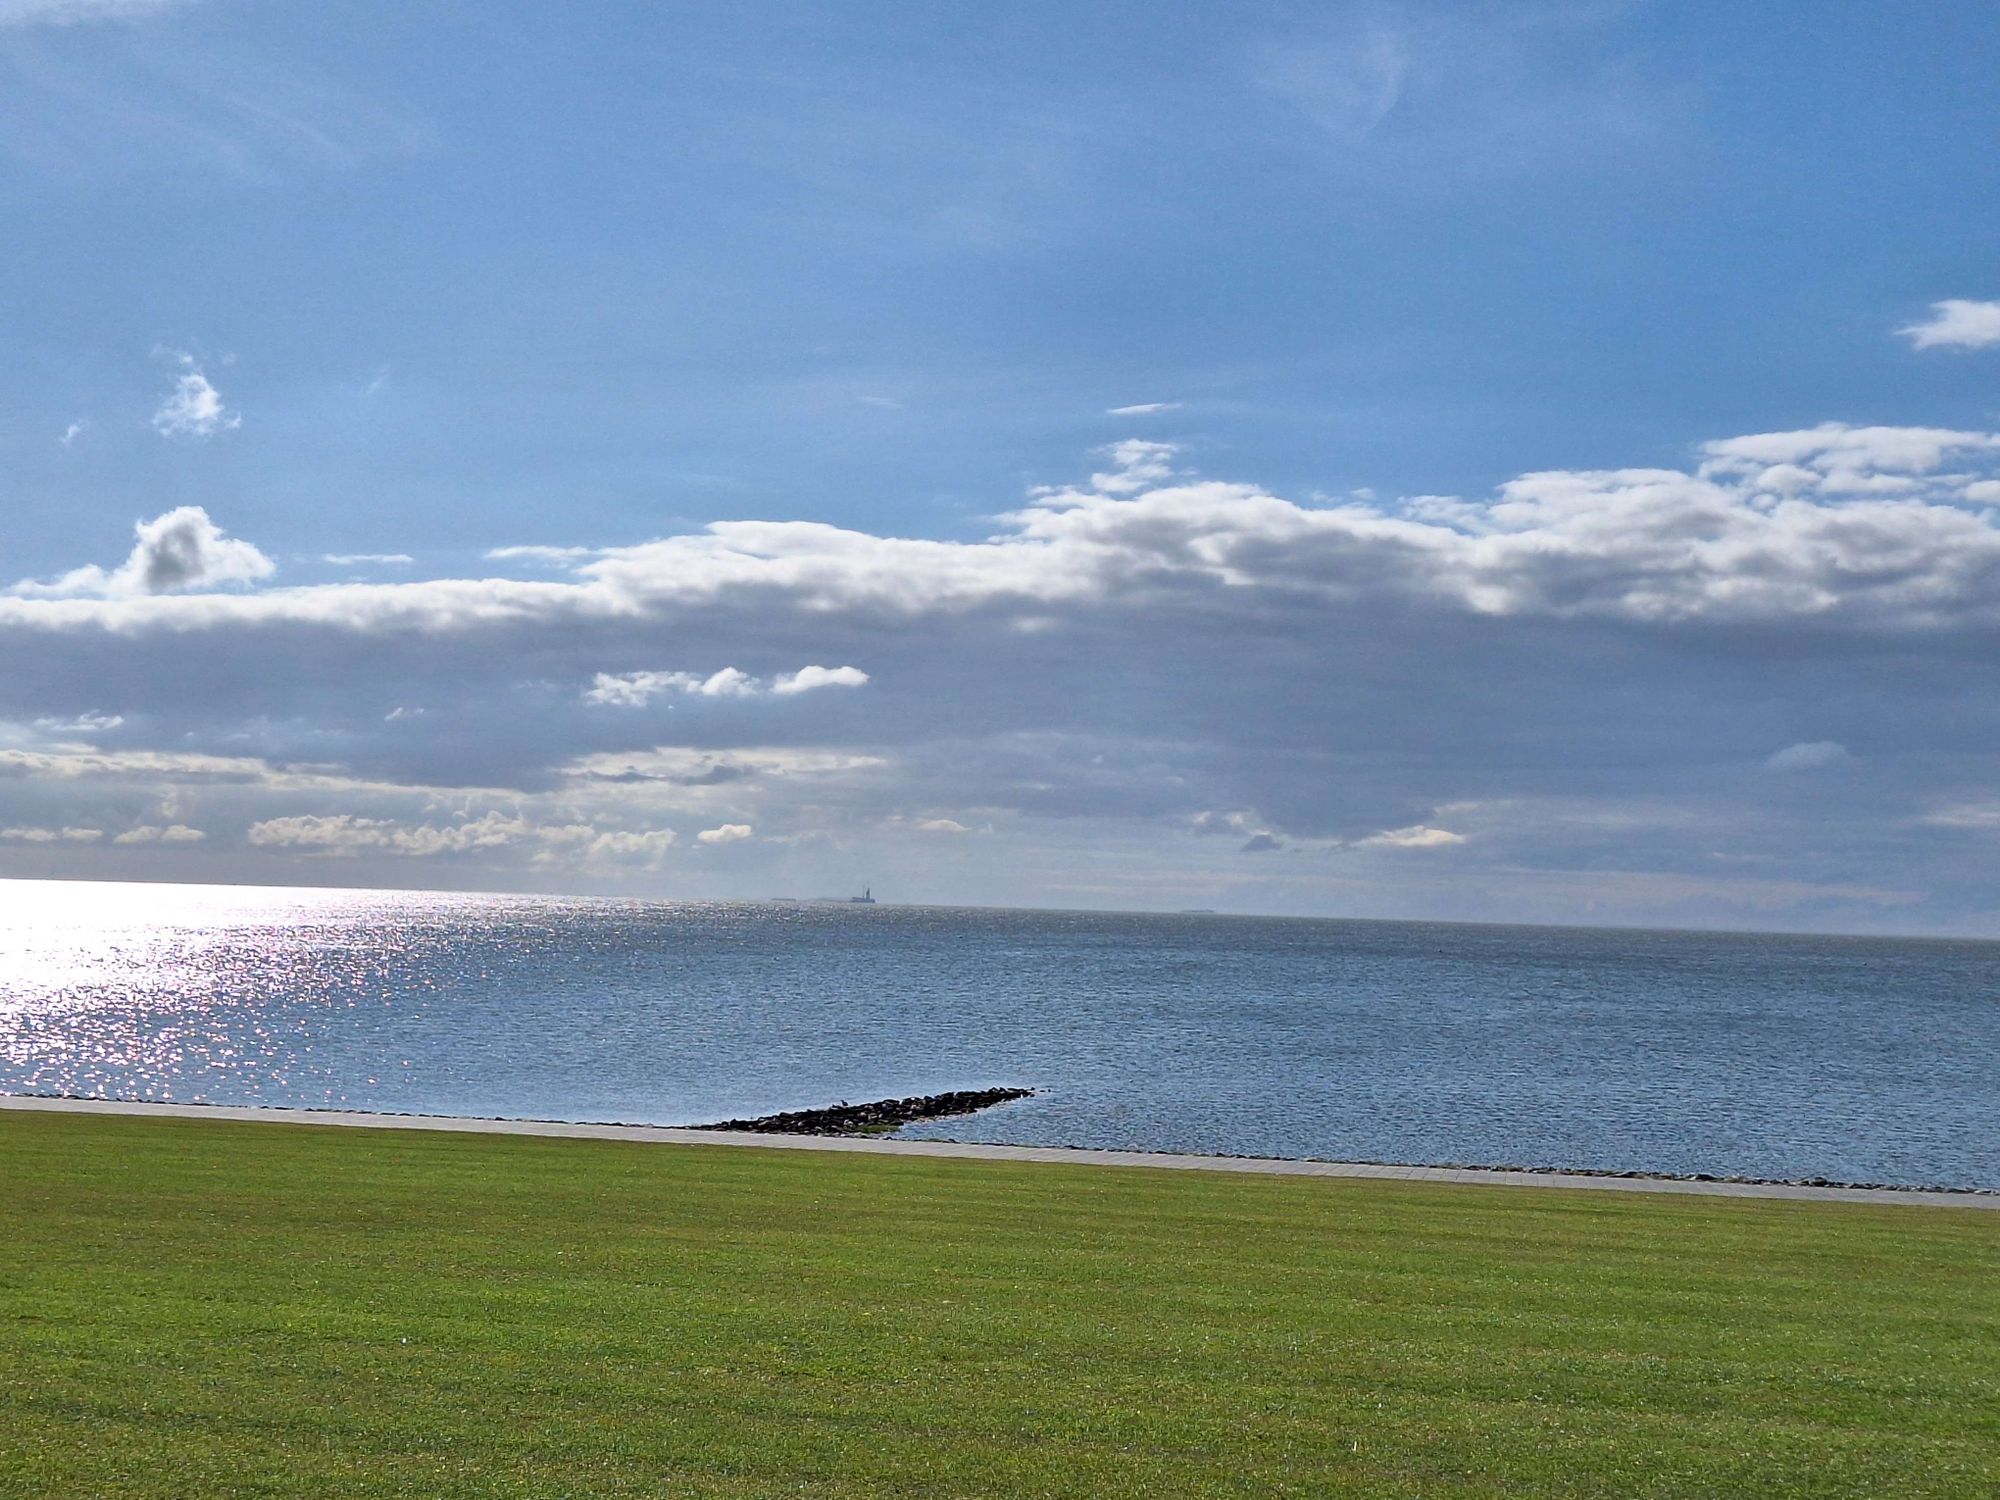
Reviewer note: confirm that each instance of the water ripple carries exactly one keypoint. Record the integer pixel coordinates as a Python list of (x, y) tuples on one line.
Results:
[(1766, 1056)]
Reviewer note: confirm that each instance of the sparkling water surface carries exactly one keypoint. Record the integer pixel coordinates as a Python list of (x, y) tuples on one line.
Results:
[(1858, 1059)]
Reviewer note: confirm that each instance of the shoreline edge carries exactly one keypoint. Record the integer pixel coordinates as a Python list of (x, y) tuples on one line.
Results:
[(1974, 1198)]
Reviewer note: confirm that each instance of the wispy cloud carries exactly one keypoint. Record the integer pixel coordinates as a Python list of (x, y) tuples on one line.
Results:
[(24, 13), (83, 723), (1347, 85), (540, 554), (1809, 755), (1415, 95), (70, 434), (194, 407), (1418, 836), (1136, 465), (365, 559), (1142, 409), (1981, 817), (200, 102), (1957, 324)]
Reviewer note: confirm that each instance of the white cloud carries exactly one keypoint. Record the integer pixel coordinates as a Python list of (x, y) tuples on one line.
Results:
[(1837, 459), (1957, 324), (728, 683), (939, 825), (362, 559), (70, 434), (176, 833), (636, 689), (180, 551), (728, 833), (1142, 409), (25, 13), (807, 678), (1809, 755), (193, 408), (184, 549), (591, 846), (645, 846)]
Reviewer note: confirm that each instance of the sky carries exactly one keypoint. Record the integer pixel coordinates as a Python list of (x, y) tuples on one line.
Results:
[(1525, 462)]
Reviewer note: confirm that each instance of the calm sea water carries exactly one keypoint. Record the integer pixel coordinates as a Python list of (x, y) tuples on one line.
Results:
[(1855, 1059)]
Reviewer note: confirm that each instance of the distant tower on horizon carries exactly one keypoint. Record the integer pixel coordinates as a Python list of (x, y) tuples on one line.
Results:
[(866, 898)]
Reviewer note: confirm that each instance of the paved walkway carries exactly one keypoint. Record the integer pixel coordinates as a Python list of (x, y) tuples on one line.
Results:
[(1272, 1166)]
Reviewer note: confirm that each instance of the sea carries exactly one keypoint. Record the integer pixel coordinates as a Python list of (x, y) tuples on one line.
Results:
[(1845, 1058)]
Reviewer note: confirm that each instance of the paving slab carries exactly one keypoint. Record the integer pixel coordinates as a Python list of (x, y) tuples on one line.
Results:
[(969, 1151)]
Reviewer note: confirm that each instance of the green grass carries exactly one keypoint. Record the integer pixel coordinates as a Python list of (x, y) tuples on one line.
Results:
[(201, 1308)]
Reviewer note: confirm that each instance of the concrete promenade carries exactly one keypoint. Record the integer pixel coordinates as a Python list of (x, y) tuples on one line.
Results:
[(1073, 1156)]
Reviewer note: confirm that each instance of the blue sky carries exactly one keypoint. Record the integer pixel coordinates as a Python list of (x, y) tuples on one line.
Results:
[(437, 283)]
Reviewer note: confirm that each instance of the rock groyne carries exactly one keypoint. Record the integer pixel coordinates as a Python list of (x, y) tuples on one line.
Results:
[(875, 1118)]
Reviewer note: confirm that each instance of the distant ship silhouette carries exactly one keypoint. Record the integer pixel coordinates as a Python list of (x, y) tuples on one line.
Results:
[(866, 898)]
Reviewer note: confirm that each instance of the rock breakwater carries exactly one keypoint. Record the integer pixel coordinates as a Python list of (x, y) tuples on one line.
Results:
[(875, 1118)]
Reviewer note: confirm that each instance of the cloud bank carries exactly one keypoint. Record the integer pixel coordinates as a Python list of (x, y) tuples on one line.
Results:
[(1461, 705), (1869, 528)]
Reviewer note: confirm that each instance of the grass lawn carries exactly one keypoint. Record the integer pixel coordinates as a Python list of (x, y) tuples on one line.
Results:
[(204, 1308)]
